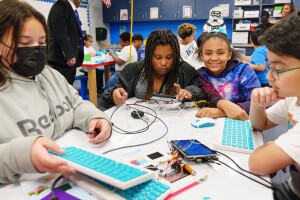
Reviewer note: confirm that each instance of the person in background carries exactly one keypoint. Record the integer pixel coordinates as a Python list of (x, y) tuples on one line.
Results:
[(284, 76), (38, 103), (65, 50), (137, 40), (127, 55), (188, 45), (287, 9), (265, 24), (258, 60), (88, 49), (195, 60), (161, 72), (232, 80)]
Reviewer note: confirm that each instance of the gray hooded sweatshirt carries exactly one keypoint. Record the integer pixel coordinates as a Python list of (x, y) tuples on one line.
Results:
[(46, 106)]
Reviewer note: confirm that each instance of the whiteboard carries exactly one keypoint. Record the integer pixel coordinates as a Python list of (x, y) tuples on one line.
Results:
[(44, 6)]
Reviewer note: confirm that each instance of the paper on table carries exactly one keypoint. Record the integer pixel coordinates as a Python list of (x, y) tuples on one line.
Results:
[(36, 189)]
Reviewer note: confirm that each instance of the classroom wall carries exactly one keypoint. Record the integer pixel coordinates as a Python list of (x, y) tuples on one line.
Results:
[(113, 29), (44, 6), (91, 19), (145, 28), (297, 4), (96, 20)]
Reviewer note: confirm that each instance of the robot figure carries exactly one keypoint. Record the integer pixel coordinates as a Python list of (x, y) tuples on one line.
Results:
[(215, 23)]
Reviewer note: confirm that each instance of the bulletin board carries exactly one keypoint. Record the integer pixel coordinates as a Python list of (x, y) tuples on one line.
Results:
[(44, 6)]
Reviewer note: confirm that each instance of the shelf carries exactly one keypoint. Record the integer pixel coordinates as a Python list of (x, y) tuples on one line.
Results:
[(241, 45), (271, 4), (246, 5), (241, 30), (246, 18)]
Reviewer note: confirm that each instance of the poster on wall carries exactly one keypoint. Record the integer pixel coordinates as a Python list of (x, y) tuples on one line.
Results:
[(124, 14), (187, 12), (282, 1), (224, 9), (154, 13)]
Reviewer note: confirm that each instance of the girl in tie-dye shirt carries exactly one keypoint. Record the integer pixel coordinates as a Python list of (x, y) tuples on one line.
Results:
[(232, 80)]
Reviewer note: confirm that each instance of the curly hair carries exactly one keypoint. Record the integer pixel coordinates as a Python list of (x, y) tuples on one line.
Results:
[(283, 37), (186, 30)]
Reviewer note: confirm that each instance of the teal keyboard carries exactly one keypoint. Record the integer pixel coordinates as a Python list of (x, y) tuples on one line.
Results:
[(237, 136), (112, 172), (153, 189)]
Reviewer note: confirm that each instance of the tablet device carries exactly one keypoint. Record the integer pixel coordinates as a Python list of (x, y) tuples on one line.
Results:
[(192, 148)]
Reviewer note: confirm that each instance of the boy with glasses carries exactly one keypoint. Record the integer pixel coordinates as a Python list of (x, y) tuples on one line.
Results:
[(282, 41)]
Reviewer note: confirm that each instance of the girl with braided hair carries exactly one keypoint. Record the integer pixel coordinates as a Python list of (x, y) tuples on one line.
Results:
[(162, 71)]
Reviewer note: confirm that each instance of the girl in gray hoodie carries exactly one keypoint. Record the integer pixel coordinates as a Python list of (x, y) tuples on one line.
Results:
[(36, 103)]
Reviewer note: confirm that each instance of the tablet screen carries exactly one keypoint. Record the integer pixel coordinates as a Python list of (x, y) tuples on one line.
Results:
[(192, 147)]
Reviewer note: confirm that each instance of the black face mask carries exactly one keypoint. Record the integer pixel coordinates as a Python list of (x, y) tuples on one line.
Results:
[(30, 60)]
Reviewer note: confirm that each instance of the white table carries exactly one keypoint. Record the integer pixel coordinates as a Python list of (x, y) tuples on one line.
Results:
[(222, 183)]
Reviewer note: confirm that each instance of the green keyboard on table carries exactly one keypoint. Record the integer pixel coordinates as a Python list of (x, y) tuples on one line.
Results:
[(105, 169)]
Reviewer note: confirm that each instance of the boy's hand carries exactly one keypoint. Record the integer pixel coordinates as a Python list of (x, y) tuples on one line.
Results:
[(265, 96), (71, 62), (111, 53)]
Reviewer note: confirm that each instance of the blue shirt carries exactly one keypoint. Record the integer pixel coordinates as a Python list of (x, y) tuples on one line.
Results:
[(141, 53), (258, 58)]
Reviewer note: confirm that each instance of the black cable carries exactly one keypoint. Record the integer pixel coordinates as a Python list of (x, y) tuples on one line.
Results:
[(132, 132), (53, 197), (137, 131), (214, 159), (270, 187), (243, 168), (141, 144)]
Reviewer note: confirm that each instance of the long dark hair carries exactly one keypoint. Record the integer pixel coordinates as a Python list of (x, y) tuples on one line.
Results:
[(163, 38), (13, 14)]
